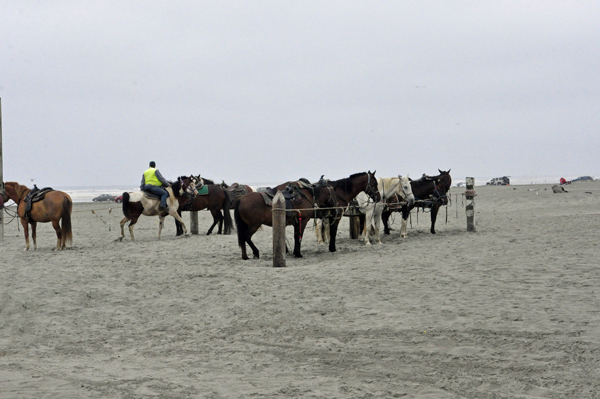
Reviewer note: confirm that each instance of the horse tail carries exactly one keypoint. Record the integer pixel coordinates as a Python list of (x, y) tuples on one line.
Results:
[(242, 227), (66, 229), (126, 211), (227, 215)]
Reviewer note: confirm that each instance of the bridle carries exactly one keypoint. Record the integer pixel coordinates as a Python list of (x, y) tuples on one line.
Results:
[(369, 189), (438, 196)]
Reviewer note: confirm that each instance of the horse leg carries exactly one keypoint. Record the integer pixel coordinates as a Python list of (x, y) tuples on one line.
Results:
[(59, 240), (332, 234), (215, 216), (298, 233), (405, 213), (385, 217), (366, 231), (122, 223), (178, 225), (34, 234), (179, 219), (434, 212), (26, 232), (220, 231), (131, 224), (161, 223), (377, 220)]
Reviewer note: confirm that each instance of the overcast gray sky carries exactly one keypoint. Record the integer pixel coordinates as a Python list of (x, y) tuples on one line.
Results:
[(268, 91)]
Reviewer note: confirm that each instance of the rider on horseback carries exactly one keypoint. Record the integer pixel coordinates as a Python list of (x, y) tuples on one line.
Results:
[(152, 181)]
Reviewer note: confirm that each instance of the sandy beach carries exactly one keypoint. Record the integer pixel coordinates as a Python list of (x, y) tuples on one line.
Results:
[(509, 311)]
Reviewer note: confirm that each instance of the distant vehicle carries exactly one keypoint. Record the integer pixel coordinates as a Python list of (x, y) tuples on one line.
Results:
[(499, 181), (119, 199), (583, 178), (104, 197)]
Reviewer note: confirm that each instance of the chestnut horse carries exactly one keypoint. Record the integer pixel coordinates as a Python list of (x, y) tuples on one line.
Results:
[(136, 204), (430, 192), (55, 206), (251, 211), (215, 201)]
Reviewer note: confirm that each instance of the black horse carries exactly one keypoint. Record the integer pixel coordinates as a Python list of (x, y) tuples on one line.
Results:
[(430, 192)]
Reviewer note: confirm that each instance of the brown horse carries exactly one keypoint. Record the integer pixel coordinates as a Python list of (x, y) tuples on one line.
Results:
[(55, 206), (215, 201), (251, 211), (430, 192), (136, 204)]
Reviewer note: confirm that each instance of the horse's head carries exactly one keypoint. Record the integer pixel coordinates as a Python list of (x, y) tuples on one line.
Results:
[(406, 189), (372, 190), (187, 185), (442, 184), (15, 191)]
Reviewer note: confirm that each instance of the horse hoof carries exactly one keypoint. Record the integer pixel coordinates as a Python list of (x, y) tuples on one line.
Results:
[(186, 235), (245, 258)]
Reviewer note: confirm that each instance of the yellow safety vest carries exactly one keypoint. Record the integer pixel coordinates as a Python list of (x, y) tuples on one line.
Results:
[(150, 177)]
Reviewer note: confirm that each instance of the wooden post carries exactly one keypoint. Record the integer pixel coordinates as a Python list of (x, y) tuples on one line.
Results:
[(278, 230), (2, 189), (470, 203), (194, 222)]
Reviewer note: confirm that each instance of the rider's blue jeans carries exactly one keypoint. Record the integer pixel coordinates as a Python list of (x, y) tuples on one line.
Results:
[(158, 191)]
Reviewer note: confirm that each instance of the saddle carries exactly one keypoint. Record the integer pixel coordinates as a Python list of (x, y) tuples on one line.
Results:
[(290, 194), (35, 195), (150, 195), (235, 191)]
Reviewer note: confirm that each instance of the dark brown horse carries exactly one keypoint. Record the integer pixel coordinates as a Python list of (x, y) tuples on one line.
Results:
[(430, 192), (137, 203), (55, 206), (251, 211), (216, 200)]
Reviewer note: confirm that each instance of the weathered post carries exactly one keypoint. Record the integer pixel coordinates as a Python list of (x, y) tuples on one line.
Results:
[(2, 189), (278, 230), (470, 203), (194, 222)]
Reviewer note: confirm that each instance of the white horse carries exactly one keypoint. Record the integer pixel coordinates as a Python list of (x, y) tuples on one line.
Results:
[(388, 187), (137, 203)]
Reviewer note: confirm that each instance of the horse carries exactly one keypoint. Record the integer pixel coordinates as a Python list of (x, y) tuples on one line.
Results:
[(251, 213), (55, 207), (430, 192), (137, 203), (371, 211), (215, 200)]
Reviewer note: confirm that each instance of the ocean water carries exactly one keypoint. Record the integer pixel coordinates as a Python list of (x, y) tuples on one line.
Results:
[(87, 194)]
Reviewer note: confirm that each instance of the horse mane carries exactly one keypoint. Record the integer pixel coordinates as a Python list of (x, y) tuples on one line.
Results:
[(346, 184), (20, 189)]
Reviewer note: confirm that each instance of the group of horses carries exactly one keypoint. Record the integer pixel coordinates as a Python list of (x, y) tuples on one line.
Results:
[(326, 201)]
